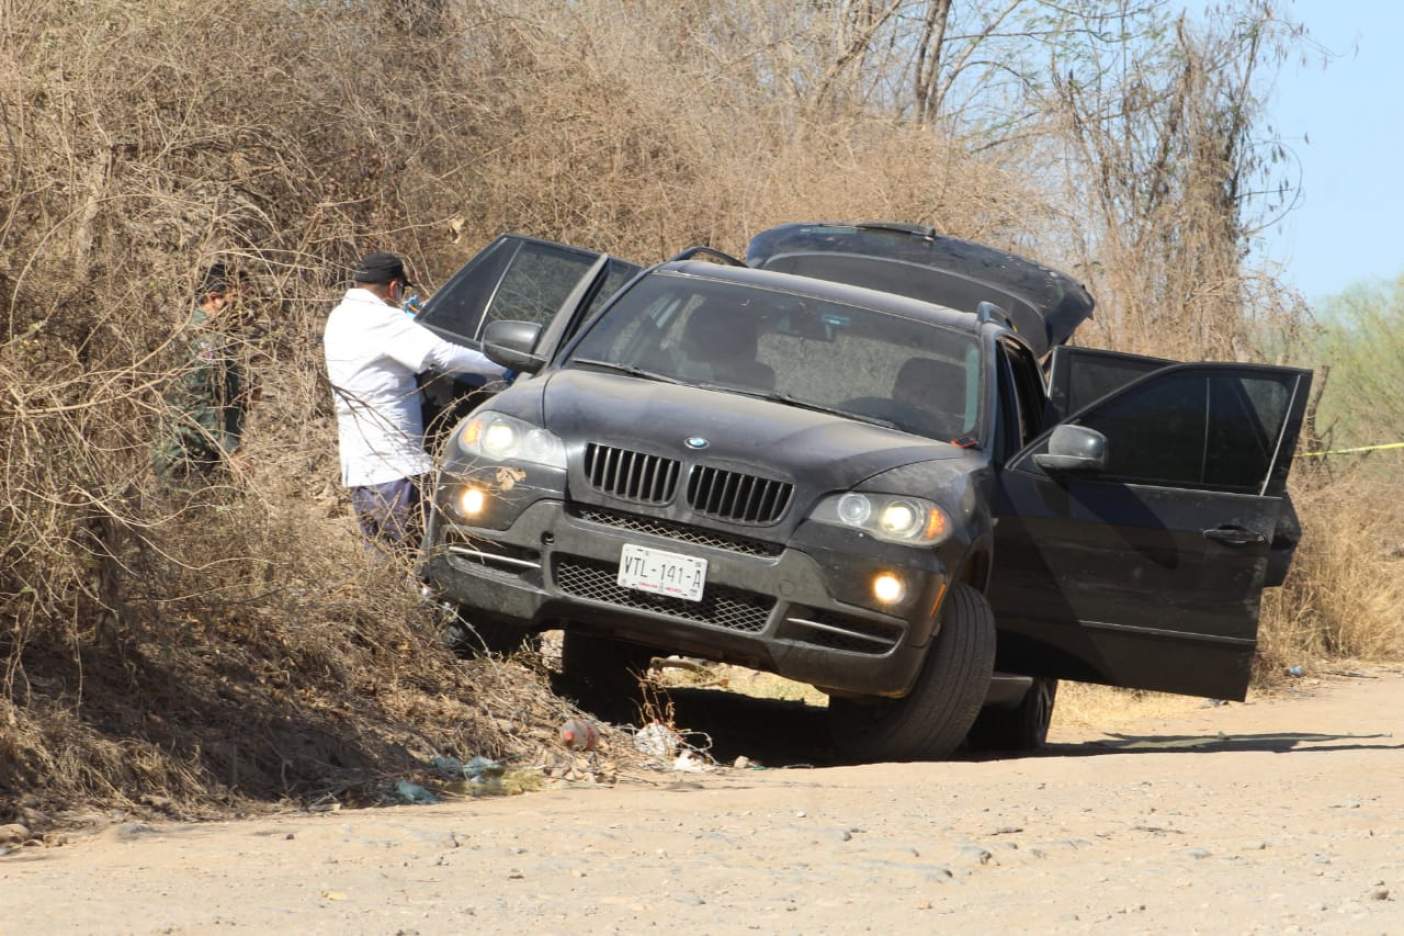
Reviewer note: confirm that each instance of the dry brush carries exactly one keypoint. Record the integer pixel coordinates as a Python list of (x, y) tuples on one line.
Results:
[(232, 643)]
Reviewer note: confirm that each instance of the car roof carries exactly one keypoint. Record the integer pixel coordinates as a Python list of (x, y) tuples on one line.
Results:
[(825, 289)]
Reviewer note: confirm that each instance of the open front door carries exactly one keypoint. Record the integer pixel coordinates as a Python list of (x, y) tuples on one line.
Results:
[(1148, 573), (519, 279)]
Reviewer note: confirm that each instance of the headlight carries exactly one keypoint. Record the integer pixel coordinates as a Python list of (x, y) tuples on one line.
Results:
[(508, 439), (901, 519), (914, 521)]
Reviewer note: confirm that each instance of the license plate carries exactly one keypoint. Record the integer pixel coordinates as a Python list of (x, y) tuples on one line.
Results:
[(662, 573)]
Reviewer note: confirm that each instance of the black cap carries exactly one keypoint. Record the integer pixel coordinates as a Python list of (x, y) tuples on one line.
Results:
[(380, 266)]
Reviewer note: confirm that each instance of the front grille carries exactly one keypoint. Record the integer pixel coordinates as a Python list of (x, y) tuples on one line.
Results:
[(841, 631), (720, 606), (737, 497), (635, 476), (691, 535)]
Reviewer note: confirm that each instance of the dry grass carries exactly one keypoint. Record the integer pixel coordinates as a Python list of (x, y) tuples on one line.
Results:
[(739, 679), (1344, 594), (230, 644), (1087, 708)]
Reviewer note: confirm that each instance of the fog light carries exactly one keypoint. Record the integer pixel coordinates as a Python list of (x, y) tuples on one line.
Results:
[(471, 501), (888, 588)]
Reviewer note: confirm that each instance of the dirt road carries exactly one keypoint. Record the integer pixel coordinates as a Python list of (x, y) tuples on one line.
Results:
[(1280, 816)]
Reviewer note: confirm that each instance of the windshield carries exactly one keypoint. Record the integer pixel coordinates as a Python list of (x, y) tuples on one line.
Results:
[(799, 350)]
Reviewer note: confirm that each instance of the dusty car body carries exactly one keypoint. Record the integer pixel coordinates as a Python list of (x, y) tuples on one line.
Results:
[(866, 460)]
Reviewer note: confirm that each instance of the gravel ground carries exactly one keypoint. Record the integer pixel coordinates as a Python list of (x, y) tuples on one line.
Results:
[(1281, 816)]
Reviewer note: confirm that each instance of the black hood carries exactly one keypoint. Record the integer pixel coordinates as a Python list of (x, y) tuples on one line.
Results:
[(817, 452)]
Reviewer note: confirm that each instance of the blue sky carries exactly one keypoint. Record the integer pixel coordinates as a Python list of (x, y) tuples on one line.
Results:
[(1349, 224)]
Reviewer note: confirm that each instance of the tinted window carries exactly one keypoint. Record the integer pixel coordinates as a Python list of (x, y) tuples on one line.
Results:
[(1196, 429), (913, 375), (457, 306), (1157, 434), (511, 278), (538, 281), (1082, 376), (1028, 386), (616, 275), (1246, 420), (1016, 424)]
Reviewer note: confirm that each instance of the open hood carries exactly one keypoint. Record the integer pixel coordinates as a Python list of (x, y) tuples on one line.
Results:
[(1044, 306)]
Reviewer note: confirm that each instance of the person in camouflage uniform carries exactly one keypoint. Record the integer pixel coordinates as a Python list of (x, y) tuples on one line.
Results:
[(205, 404)]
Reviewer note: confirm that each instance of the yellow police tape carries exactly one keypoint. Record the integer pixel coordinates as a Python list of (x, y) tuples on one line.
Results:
[(1357, 450)]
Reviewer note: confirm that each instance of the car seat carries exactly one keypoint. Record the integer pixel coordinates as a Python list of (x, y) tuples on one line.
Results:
[(934, 391), (720, 344)]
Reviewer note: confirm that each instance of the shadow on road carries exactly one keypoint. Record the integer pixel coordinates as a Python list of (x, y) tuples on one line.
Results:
[(1272, 743), (772, 732), (780, 733)]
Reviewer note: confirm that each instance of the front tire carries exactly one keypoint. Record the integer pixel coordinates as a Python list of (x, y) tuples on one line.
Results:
[(1018, 729), (934, 718)]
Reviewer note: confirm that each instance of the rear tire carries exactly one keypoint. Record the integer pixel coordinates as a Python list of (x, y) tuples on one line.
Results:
[(1020, 728), (934, 718), (603, 674)]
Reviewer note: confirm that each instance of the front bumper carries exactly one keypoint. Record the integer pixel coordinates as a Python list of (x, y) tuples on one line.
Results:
[(765, 606)]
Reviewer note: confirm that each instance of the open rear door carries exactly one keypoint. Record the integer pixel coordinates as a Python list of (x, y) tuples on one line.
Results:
[(1148, 574)]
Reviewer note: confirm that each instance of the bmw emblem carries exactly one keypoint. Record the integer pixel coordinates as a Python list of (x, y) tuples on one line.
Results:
[(696, 443)]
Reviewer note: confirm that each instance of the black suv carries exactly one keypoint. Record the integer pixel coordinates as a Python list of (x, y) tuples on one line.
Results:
[(863, 459)]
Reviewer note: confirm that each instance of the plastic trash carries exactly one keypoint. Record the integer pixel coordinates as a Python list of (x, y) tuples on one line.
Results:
[(477, 769), (657, 740), (580, 734), (689, 762), (1296, 671), (414, 794), (483, 768), (447, 765)]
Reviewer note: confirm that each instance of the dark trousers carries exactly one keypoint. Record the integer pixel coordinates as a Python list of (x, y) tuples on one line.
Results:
[(387, 512)]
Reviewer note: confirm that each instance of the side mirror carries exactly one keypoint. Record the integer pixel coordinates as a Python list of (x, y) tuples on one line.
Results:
[(1074, 449), (510, 344)]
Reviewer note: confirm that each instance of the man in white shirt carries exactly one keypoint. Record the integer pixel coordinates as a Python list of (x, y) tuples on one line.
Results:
[(374, 354)]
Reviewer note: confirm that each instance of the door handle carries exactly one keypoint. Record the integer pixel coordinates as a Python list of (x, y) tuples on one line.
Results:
[(1235, 535)]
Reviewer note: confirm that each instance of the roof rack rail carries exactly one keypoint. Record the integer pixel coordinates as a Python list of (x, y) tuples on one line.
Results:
[(691, 252), (919, 230), (989, 312)]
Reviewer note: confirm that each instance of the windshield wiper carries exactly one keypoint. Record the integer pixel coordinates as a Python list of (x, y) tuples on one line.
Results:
[(791, 400), (630, 369)]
